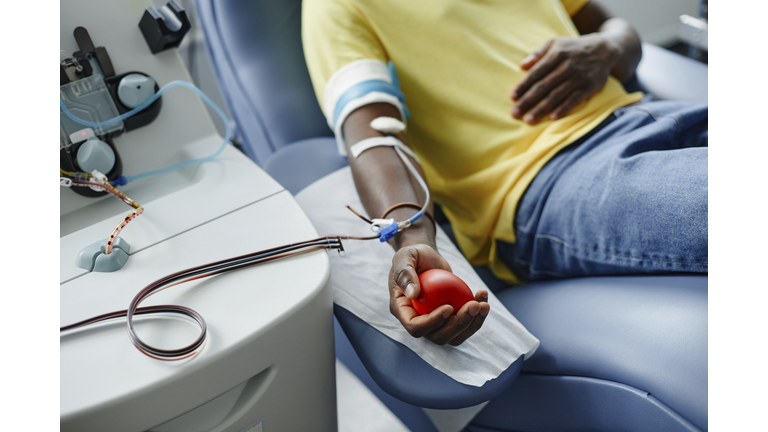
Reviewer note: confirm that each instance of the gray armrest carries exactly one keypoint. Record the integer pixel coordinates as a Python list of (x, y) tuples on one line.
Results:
[(667, 75)]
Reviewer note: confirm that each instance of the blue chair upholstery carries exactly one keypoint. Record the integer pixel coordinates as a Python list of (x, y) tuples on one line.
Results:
[(617, 353), (254, 47), (666, 75)]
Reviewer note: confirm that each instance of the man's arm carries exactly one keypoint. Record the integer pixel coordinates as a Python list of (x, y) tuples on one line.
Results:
[(594, 18), (566, 71), (382, 180)]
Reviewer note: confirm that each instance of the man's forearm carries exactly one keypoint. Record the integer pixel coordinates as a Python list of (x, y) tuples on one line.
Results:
[(382, 179)]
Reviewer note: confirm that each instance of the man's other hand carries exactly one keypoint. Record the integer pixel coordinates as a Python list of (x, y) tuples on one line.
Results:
[(440, 326), (562, 74)]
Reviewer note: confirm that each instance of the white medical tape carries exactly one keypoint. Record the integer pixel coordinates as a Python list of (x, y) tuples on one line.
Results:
[(388, 141)]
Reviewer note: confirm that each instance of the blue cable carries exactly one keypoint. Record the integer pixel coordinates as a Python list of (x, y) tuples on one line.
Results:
[(416, 217), (127, 179)]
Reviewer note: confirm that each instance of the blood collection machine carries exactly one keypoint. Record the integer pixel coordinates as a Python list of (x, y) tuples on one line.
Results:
[(266, 362)]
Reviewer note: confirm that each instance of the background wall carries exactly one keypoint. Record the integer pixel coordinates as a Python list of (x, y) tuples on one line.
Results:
[(657, 21)]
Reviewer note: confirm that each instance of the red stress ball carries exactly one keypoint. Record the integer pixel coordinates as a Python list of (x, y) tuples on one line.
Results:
[(439, 287)]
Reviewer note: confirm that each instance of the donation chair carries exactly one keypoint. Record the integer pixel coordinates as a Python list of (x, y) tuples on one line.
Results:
[(617, 353)]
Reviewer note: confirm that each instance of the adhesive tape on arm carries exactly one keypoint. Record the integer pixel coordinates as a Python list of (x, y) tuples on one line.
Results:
[(387, 125)]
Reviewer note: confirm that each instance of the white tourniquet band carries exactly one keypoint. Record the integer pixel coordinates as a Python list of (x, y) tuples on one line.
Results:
[(388, 141), (346, 77), (356, 73)]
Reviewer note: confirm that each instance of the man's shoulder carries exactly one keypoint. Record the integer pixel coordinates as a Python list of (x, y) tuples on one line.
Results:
[(337, 10)]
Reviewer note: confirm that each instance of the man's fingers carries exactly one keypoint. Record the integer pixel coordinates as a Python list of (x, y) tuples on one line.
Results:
[(551, 101), (440, 326), (417, 325), (535, 56), (427, 258), (481, 296), (539, 91), (537, 72), (404, 275), (568, 104), (485, 309), (422, 325), (456, 324), (408, 263)]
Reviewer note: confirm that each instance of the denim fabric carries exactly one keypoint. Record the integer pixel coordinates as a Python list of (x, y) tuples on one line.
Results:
[(628, 198)]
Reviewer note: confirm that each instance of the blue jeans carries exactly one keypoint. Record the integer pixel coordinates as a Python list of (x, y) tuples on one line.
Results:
[(630, 197)]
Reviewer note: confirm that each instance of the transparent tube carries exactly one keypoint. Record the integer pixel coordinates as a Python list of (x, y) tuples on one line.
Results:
[(423, 185), (170, 85)]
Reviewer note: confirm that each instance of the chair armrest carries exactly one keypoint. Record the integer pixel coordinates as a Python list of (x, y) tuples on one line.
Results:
[(404, 375), (299, 164), (670, 76)]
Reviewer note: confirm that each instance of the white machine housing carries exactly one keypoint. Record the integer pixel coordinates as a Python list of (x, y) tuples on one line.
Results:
[(269, 361)]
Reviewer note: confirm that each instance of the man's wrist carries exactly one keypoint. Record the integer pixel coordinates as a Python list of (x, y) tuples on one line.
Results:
[(413, 236), (614, 48), (421, 232), (624, 43)]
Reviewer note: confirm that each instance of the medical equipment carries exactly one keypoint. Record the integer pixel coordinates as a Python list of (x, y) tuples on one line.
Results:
[(386, 229), (89, 256), (122, 180), (112, 105), (134, 93), (332, 242), (247, 376), (165, 27), (90, 87), (98, 181), (212, 269)]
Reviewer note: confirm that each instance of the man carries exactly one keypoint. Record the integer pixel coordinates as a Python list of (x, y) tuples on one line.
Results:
[(542, 162)]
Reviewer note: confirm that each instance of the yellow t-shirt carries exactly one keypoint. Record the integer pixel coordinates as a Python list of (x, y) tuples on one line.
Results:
[(457, 61)]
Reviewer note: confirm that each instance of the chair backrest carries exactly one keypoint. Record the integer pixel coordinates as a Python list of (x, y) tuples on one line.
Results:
[(255, 51)]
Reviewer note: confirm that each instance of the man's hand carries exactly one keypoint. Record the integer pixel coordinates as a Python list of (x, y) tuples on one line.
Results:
[(562, 74), (440, 326)]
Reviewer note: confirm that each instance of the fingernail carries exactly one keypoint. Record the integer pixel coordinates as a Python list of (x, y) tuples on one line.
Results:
[(447, 313), (528, 119), (527, 59), (410, 290), (474, 309), (484, 312), (513, 96), (516, 113)]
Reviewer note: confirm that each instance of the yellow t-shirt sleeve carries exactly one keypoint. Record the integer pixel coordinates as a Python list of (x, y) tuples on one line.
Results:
[(334, 33), (573, 6)]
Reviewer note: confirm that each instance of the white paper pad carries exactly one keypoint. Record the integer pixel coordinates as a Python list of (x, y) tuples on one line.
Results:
[(359, 283)]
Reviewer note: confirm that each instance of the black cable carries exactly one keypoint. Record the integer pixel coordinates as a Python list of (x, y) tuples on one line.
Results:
[(206, 270)]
